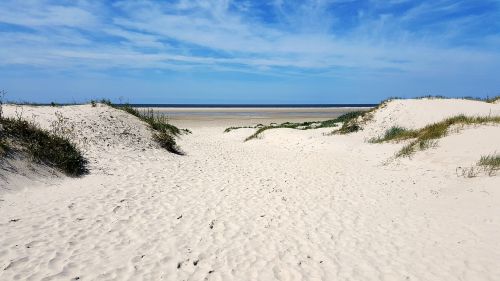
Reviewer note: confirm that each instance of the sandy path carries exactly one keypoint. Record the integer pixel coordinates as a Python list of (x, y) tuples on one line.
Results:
[(295, 205)]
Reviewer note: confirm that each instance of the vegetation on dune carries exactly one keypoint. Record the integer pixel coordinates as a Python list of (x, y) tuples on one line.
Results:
[(487, 99), (4, 146), (164, 133), (492, 160), (427, 136), (167, 141), (44, 147), (54, 148), (490, 163), (229, 129), (348, 128), (348, 116), (355, 121), (493, 99), (395, 133), (301, 126), (356, 124)]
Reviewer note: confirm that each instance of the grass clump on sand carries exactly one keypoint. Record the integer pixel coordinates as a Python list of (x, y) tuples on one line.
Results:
[(493, 99), (303, 125), (395, 133), (48, 148), (4, 146), (353, 122), (438, 97), (492, 160), (487, 99), (490, 163), (44, 147), (157, 122), (227, 130), (164, 133), (426, 137)]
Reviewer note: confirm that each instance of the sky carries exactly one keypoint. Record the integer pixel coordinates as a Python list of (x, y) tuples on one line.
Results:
[(228, 51)]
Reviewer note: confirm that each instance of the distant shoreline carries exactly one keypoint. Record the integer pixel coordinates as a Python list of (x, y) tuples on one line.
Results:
[(202, 116), (348, 105)]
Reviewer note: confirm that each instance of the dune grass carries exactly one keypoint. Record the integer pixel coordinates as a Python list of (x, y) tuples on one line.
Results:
[(229, 129), (356, 124), (302, 125), (427, 136), (490, 163), (164, 132), (349, 127), (43, 146), (487, 99), (4, 146), (156, 121), (492, 160), (492, 99), (395, 133)]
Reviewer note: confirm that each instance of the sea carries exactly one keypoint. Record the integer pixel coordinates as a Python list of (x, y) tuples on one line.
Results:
[(252, 110)]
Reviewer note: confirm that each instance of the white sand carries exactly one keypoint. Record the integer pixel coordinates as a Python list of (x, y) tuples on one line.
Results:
[(294, 205)]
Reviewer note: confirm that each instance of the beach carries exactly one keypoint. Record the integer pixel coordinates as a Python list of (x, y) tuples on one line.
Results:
[(288, 205), (247, 116)]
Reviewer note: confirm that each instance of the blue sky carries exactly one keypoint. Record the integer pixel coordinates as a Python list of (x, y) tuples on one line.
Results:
[(317, 51)]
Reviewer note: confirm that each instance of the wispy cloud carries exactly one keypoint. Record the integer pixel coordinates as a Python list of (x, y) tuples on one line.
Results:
[(315, 37)]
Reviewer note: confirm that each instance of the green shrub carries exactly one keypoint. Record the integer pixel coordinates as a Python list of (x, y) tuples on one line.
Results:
[(106, 102), (167, 141), (43, 146)]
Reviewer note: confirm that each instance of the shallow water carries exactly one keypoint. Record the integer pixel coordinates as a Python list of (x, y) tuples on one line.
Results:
[(257, 113)]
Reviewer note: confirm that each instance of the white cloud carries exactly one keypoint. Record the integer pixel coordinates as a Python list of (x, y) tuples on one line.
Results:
[(39, 14), (151, 35)]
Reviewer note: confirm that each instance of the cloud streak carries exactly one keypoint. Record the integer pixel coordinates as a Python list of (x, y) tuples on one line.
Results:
[(317, 37)]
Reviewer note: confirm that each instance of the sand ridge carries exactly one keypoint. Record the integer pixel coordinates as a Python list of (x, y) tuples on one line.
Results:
[(293, 205)]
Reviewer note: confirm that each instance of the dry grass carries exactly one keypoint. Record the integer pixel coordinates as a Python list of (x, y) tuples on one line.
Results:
[(356, 124), (229, 129), (427, 136), (164, 132), (487, 164), (344, 118), (490, 163)]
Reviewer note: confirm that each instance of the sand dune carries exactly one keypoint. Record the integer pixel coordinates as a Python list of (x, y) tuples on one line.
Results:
[(416, 113), (293, 205)]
